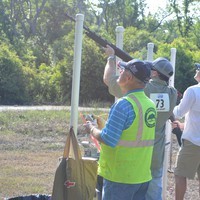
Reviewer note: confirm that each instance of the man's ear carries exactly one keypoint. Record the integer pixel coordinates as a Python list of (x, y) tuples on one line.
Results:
[(129, 76), (154, 73)]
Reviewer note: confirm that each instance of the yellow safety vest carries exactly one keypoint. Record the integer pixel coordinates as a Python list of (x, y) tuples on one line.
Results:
[(130, 161)]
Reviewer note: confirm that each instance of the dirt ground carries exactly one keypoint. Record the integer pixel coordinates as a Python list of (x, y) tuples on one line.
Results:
[(193, 185)]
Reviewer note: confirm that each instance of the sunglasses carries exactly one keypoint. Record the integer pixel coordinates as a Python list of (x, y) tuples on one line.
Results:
[(153, 69)]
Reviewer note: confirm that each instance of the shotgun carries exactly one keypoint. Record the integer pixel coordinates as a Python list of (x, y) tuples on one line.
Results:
[(118, 52)]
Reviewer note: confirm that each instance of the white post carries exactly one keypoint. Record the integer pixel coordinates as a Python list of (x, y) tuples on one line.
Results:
[(168, 131), (150, 47), (76, 71), (173, 62), (119, 42)]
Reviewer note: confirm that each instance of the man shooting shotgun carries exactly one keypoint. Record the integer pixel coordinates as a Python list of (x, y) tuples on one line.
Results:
[(118, 52), (124, 56)]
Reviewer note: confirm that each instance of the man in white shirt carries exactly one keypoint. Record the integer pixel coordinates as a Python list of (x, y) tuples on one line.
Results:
[(188, 160)]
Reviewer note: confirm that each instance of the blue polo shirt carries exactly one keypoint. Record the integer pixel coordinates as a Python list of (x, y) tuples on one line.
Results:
[(121, 116)]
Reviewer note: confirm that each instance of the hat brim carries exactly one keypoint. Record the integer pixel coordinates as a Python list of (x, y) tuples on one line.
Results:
[(122, 64)]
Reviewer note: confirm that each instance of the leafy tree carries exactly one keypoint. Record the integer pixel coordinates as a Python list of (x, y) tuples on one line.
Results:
[(92, 67), (12, 80), (25, 14), (32, 85), (39, 40), (93, 63), (135, 42), (49, 90), (120, 13), (194, 35), (187, 54), (184, 17)]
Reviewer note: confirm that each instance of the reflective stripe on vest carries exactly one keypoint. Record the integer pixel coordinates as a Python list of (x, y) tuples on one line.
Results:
[(138, 142)]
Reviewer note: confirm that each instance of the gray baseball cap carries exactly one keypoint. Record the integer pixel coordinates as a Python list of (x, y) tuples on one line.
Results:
[(163, 66)]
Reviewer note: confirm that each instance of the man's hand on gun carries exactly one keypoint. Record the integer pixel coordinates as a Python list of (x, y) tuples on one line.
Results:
[(99, 123), (109, 51), (95, 122), (89, 126)]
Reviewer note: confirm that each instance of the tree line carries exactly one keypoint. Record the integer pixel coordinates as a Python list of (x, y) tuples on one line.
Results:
[(37, 44)]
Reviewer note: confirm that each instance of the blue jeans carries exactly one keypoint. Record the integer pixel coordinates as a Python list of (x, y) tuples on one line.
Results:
[(154, 191), (121, 191)]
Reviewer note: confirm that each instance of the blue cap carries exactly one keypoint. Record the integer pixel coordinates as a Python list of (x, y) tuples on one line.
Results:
[(140, 69)]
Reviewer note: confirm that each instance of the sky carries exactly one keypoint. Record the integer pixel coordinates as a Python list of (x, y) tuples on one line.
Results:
[(154, 5)]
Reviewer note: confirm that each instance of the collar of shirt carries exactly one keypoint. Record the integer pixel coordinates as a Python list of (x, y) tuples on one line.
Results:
[(158, 81), (131, 91)]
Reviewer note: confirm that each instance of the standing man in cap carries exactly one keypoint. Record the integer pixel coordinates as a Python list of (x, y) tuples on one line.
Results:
[(164, 97), (128, 137), (188, 161)]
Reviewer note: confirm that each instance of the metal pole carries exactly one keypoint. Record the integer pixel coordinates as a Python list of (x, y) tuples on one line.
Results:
[(168, 130), (76, 71)]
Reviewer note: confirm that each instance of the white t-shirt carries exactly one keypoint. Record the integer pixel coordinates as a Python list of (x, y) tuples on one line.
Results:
[(189, 108)]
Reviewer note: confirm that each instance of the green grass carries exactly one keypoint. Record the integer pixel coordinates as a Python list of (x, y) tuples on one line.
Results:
[(30, 144)]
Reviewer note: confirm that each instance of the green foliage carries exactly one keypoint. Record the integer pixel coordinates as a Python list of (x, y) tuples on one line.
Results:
[(184, 18), (32, 84), (66, 80), (65, 66), (12, 81), (194, 35), (91, 80), (93, 63), (187, 54), (135, 42), (49, 84), (36, 58), (120, 13)]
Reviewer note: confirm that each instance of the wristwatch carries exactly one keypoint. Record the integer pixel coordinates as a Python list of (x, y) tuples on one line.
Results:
[(112, 57)]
